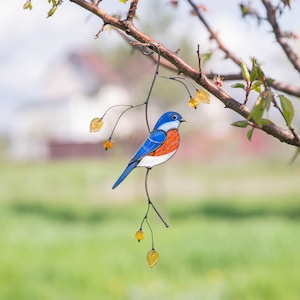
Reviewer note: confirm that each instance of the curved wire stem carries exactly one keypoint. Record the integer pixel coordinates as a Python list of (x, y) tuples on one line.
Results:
[(120, 116), (180, 80), (146, 102), (149, 226), (114, 106), (153, 80), (151, 231), (150, 203)]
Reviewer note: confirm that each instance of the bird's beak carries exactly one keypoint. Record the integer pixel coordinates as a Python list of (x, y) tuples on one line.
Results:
[(182, 120)]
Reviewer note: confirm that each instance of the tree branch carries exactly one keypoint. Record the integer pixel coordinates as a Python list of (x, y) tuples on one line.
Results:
[(214, 35), (277, 85), (182, 67), (271, 17)]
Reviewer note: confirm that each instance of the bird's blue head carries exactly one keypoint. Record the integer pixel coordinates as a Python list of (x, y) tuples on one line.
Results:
[(169, 120)]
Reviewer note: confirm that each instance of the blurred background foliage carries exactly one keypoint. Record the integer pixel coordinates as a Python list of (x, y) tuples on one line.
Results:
[(234, 231)]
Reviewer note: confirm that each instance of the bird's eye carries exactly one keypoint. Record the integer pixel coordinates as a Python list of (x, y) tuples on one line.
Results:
[(174, 117)]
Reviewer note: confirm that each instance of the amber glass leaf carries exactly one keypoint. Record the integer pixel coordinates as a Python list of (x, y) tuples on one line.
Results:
[(203, 96), (96, 125), (152, 258)]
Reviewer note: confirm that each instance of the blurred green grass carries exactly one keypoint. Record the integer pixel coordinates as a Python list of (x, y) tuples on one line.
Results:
[(234, 232)]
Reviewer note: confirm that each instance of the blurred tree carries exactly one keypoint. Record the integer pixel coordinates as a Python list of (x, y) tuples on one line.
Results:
[(251, 79)]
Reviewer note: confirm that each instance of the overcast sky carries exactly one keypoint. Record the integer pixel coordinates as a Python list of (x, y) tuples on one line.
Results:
[(30, 42)]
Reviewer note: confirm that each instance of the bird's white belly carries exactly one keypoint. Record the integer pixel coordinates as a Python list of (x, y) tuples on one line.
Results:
[(150, 161)]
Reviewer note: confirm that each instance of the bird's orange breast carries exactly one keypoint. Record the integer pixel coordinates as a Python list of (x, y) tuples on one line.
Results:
[(171, 143)]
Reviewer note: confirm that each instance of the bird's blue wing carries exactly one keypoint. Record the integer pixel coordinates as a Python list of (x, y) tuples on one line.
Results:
[(152, 143), (128, 169)]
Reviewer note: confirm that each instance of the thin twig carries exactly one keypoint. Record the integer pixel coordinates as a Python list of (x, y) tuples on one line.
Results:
[(132, 10), (199, 59), (213, 34), (271, 17), (295, 91), (101, 30)]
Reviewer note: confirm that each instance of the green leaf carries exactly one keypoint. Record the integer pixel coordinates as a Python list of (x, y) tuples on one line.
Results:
[(256, 86), (52, 11), (254, 72), (267, 97), (241, 124), (205, 57), (245, 72), (238, 85), (262, 104), (266, 122), (260, 73), (27, 5), (287, 108), (296, 154), (257, 111), (123, 1), (250, 133)]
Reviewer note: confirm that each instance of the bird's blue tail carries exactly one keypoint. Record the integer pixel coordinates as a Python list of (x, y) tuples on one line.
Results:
[(129, 168)]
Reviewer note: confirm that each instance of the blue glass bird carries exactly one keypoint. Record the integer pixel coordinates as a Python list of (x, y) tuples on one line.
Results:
[(159, 147)]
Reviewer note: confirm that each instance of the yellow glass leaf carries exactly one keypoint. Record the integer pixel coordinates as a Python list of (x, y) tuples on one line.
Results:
[(152, 258), (96, 124), (108, 144), (203, 96), (139, 235), (193, 103)]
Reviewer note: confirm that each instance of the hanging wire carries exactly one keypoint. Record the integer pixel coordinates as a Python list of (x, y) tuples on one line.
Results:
[(146, 102), (120, 116), (153, 80), (180, 80), (151, 231), (150, 202), (114, 106)]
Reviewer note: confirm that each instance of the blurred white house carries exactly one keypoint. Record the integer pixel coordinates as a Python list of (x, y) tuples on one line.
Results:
[(75, 90)]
